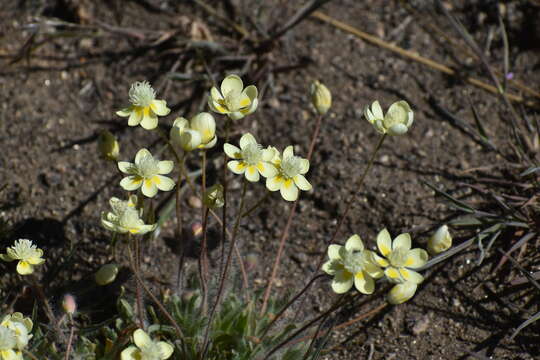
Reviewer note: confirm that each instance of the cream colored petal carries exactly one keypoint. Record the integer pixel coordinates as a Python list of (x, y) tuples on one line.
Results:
[(131, 183), (376, 110), (237, 167), (211, 143), (398, 112), (215, 94), (274, 183), (401, 293), (180, 124), (232, 151), (216, 107), (402, 241), (304, 166), (34, 260), (252, 92), (142, 153), (244, 102), (126, 167), (165, 167), (11, 253), (393, 274), (246, 139), (411, 275), (135, 117), (163, 183), (149, 188), (6, 257), (354, 243), (384, 242), (368, 114), (266, 169), (416, 258), (141, 339), (190, 140), (342, 282), (302, 183), (328, 267), (149, 121), (143, 229), (125, 112), (397, 129), (289, 190), (364, 283), (269, 153), (130, 353), (231, 83), (252, 107), (333, 252), (205, 124), (252, 174), (159, 107), (24, 268), (289, 151), (165, 349), (236, 115)]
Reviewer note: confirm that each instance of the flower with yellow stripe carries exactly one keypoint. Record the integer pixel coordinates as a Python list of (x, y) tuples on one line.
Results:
[(290, 176), (28, 254), (146, 349), (146, 173), (399, 258), (124, 217), (144, 108), (352, 264), (250, 159), (232, 99)]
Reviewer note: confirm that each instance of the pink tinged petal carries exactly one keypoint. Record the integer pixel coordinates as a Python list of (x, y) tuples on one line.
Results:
[(411, 275), (401, 293), (354, 243), (384, 242), (165, 349), (402, 241), (125, 112), (274, 183), (232, 151), (149, 120), (288, 190), (342, 282), (130, 353), (165, 167), (246, 139), (302, 183), (141, 339), (159, 107), (393, 274), (135, 117), (334, 252), (140, 154), (24, 268), (289, 151), (266, 169), (364, 283), (149, 188), (252, 174), (416, 258), (231, 83), (163, 183), (237, 167), (131, 183), (126, 167), (377, 110)]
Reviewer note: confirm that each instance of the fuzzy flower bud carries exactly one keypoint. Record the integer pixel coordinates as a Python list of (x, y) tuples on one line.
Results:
[(108, 146), (69, 305), (440, 241), (106, 274), (320, 97), (213, 196)]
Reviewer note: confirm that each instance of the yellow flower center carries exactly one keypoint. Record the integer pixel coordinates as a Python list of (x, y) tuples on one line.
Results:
[(24, 249), (398, 257), (141, 94), (291, 166), (353, 262)]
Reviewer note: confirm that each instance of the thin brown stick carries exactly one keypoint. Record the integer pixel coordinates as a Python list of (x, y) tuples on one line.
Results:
[(70, 340)]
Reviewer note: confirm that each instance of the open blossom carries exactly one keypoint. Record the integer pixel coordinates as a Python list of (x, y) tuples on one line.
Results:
[(27, 253), (290, 176), (397, 121), (144, 108), (146, 173), (146, 349), (233, 100), (399, 258), (199, 133), (352, 264), (8, 342), (125, 217), (21, 327), (440, 241), (250, 159)]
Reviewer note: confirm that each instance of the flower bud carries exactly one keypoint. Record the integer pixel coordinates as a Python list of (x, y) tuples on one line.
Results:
[(440, 241), (205, 124), (69, 305), (106, 274), (401, 292), (213, 196), (108, 146), (320, 97)]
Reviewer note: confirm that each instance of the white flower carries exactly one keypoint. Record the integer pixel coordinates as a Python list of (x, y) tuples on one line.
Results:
[(440, 241), (147, 173), (250, 159), (320, 97), (290, 176), (402, 292), (400, 258), (21, 328), (233, 100), (144, 109), (352, 264), (125, 218), (199, 133), (397, 120), (27, 253), (8, 342), (146, 349)]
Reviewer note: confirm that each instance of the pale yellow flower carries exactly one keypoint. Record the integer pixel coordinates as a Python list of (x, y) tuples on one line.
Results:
[(8, 342), (233, 100), (402, 292), (397, 121), (106, 274), (290, 176), (146, 173), (21, 327), (145, 108), (320, 97), (352, 264), (205, 124), (440, 241), (250, 159), (125, 217), (27, 253), (399, 258), (199, 133), (213, 196), (108, 146), (146, 349)]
